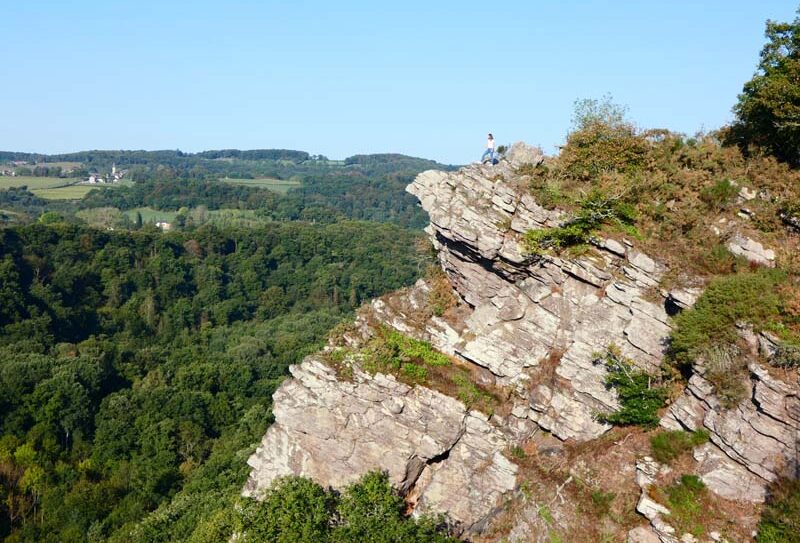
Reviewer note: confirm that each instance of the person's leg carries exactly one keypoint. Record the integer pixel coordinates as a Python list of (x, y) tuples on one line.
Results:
[(485, 153)]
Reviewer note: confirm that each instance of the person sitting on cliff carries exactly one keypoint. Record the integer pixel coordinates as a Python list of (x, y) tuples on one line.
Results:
[(489, 150)]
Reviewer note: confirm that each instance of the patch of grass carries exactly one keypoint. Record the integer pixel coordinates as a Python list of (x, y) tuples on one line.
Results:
[(546, 515), (708, 332), (726, 369), (780, 519), (750, 297), (602, 501), (518, 452), (685, 501), (639, 397), (415, 372), (470, 394), (33, 183), (718, 260), (669, 445), (418, 363), (280, 186), (71, 192), (150, 215), (441, 296)]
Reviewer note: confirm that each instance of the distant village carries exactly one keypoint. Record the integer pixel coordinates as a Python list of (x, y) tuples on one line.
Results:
[(22, 168), (97, 178)]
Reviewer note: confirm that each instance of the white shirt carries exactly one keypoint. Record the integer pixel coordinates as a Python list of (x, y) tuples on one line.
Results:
[(490, 144)]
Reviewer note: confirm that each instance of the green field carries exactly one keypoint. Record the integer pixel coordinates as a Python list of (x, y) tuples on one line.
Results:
[(49, 188), (33, 183), (53, 188), (218, 217), (71, 192), (276, 185)]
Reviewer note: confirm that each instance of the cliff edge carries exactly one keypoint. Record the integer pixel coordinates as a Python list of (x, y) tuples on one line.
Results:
[(524, 330)]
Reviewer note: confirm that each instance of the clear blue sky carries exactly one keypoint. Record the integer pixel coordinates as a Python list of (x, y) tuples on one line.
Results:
[(423, 78)]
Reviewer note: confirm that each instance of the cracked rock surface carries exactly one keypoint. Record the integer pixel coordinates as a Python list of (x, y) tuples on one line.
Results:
[(528, 310), (752, 444), (446, 458)]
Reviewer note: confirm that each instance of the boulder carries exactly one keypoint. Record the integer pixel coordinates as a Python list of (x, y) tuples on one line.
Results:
[(752, 250), (521, 154)]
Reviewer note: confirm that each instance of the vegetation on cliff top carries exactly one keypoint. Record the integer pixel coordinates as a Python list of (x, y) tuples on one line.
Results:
[(414, 362), (768, 111), (681, 199)]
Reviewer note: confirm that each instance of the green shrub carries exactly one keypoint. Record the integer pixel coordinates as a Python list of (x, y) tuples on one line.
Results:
[(602, 140), (596, 210), (298, 510), (780, 519), (294, 509), (719, 195), (750, 297), (787, 355), (667, 446), (639, 399)]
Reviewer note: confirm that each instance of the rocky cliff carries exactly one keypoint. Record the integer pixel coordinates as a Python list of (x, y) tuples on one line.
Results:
[(530, 327)]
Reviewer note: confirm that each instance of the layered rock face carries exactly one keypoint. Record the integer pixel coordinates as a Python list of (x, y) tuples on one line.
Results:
[(334, 431), (538, 323), (531, 326), (752, 444)]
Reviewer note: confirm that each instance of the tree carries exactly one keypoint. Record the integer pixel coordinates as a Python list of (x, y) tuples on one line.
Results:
[(768, 111), (602, 140), (295, 510)]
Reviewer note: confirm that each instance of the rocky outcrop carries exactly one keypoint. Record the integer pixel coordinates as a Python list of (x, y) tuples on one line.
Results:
[(537, 322), (521, 154), (530, 326), (443, 457), (752, 444), (752, 250)]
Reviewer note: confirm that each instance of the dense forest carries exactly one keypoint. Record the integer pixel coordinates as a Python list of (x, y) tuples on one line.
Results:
[(138, 365)]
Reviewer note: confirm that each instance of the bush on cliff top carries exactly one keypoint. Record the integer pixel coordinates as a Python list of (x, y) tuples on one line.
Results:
[(674, 187)]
